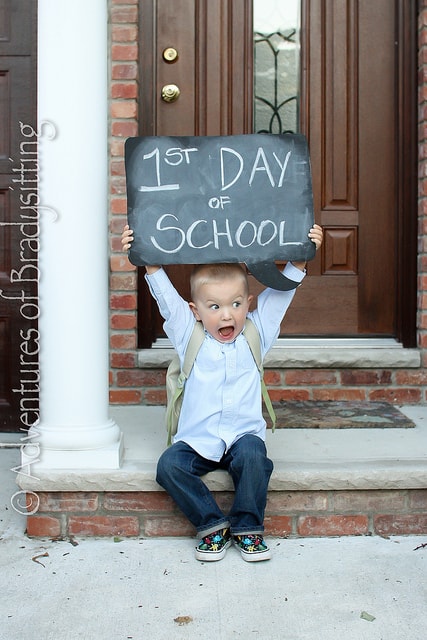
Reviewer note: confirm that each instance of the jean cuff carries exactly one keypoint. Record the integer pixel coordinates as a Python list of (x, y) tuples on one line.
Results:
[(223, 524), (246, 532)]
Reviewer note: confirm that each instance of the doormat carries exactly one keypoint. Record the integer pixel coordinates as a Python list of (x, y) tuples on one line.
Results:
[(339, 415)]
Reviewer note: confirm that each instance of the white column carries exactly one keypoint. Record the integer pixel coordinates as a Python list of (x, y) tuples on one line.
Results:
[(75, 430)]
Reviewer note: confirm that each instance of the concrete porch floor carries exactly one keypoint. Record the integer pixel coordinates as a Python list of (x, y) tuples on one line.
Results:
[(312, 588), (304, 459)]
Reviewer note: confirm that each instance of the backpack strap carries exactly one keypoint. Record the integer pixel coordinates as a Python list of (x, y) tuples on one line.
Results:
[(253, 340), (195, 342)]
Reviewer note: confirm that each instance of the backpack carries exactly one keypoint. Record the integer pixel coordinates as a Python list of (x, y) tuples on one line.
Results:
[(176, 377)]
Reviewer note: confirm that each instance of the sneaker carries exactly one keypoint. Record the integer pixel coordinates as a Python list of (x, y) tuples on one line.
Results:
[(213, 546), (252, 547)]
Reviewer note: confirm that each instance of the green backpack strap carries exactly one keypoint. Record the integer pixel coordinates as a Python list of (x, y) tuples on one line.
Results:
[(253, 340), (174, 406)]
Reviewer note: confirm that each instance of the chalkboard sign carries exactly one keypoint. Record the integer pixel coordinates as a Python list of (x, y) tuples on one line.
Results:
[(245, 198)]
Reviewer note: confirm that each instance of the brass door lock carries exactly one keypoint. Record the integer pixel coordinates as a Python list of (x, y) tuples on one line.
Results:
[(170, 93), (170, 55)]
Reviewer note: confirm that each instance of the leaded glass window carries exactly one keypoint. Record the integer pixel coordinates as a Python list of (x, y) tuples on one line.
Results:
[(277, 65)]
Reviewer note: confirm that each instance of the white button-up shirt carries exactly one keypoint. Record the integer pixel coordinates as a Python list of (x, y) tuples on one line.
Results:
[(222, 397)]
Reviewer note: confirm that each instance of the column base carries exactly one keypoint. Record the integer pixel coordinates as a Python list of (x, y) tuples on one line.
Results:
[(34, 458)]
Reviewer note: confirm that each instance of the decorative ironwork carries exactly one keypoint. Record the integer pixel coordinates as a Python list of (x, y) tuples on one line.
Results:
[(276, 82)]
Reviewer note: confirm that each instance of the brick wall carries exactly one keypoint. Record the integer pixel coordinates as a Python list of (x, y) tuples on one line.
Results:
[(123, 123), (296, 514), (130, 385)]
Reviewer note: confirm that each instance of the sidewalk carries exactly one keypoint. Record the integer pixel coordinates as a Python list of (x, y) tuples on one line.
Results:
[(151, 589)]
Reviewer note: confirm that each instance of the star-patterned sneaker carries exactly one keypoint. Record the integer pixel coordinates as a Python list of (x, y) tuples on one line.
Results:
[(213, 546), (252, 547)]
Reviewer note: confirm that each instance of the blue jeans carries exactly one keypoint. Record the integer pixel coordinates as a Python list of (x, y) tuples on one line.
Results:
[(179, 470)]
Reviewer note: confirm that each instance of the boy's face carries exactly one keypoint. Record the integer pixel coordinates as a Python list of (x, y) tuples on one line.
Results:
[(222, 307)]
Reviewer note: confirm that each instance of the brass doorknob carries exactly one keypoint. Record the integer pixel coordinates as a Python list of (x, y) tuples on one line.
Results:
[(170, 54), (170, 93)]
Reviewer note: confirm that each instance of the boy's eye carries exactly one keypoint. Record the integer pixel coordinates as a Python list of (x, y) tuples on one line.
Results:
[(214, 307), (236, 305)]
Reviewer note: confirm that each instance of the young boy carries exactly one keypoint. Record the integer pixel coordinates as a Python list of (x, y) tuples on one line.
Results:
[(221, 425)]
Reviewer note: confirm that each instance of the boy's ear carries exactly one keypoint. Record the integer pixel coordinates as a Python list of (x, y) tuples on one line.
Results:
[(194, 310), (250, 298)]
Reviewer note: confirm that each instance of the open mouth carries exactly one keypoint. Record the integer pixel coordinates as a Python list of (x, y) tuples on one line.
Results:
[(226, 332)]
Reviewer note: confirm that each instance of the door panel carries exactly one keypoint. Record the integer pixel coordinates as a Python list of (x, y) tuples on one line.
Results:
[(355, 111), (213, 69), (214, 74)]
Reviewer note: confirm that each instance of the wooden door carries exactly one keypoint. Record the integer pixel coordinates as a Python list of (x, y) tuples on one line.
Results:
[(357, 109), (19, 370)]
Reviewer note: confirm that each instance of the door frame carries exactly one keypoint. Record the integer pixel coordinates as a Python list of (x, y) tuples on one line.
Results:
[(405, 132)]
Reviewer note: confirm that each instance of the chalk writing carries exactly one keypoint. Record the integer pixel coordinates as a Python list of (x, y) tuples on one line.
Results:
[(219, 199)]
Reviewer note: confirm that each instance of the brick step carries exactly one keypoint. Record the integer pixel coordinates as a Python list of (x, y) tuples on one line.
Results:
[(325, 483), (288, 514)]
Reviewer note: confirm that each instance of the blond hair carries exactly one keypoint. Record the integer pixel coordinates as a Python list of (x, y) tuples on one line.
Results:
[(209, 273)]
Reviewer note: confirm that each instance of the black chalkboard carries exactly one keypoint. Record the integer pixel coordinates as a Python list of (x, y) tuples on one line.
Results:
[(245, 198)]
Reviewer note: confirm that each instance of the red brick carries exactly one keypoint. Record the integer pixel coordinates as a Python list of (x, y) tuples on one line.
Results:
[(310, 377), (121, 263), (124, 14), (118, 183), (155, 397), (368, 501), (125, 301), (124, 321), (278, 395), (124, 71), (125, 396), (408, 378), (116, 225), (117, 167), (123, 282), (118, 205), (124, 109), (124, 33), (117, 147), (396, 396), (123, 341), (393, 525), (116, 244), (68, 501), (339, 394), (123, 360), (360, 377), (141, 378), (139, 501), (168, 526), (272, 377), (125, 129), (418, 499), (337, 525), (124, 90), (41, 526), (103, 526), (124, 52), (278, 525), (295, 501)]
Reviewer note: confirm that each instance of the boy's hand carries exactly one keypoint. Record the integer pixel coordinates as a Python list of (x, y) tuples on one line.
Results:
[(127, 238), (316, 235)]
